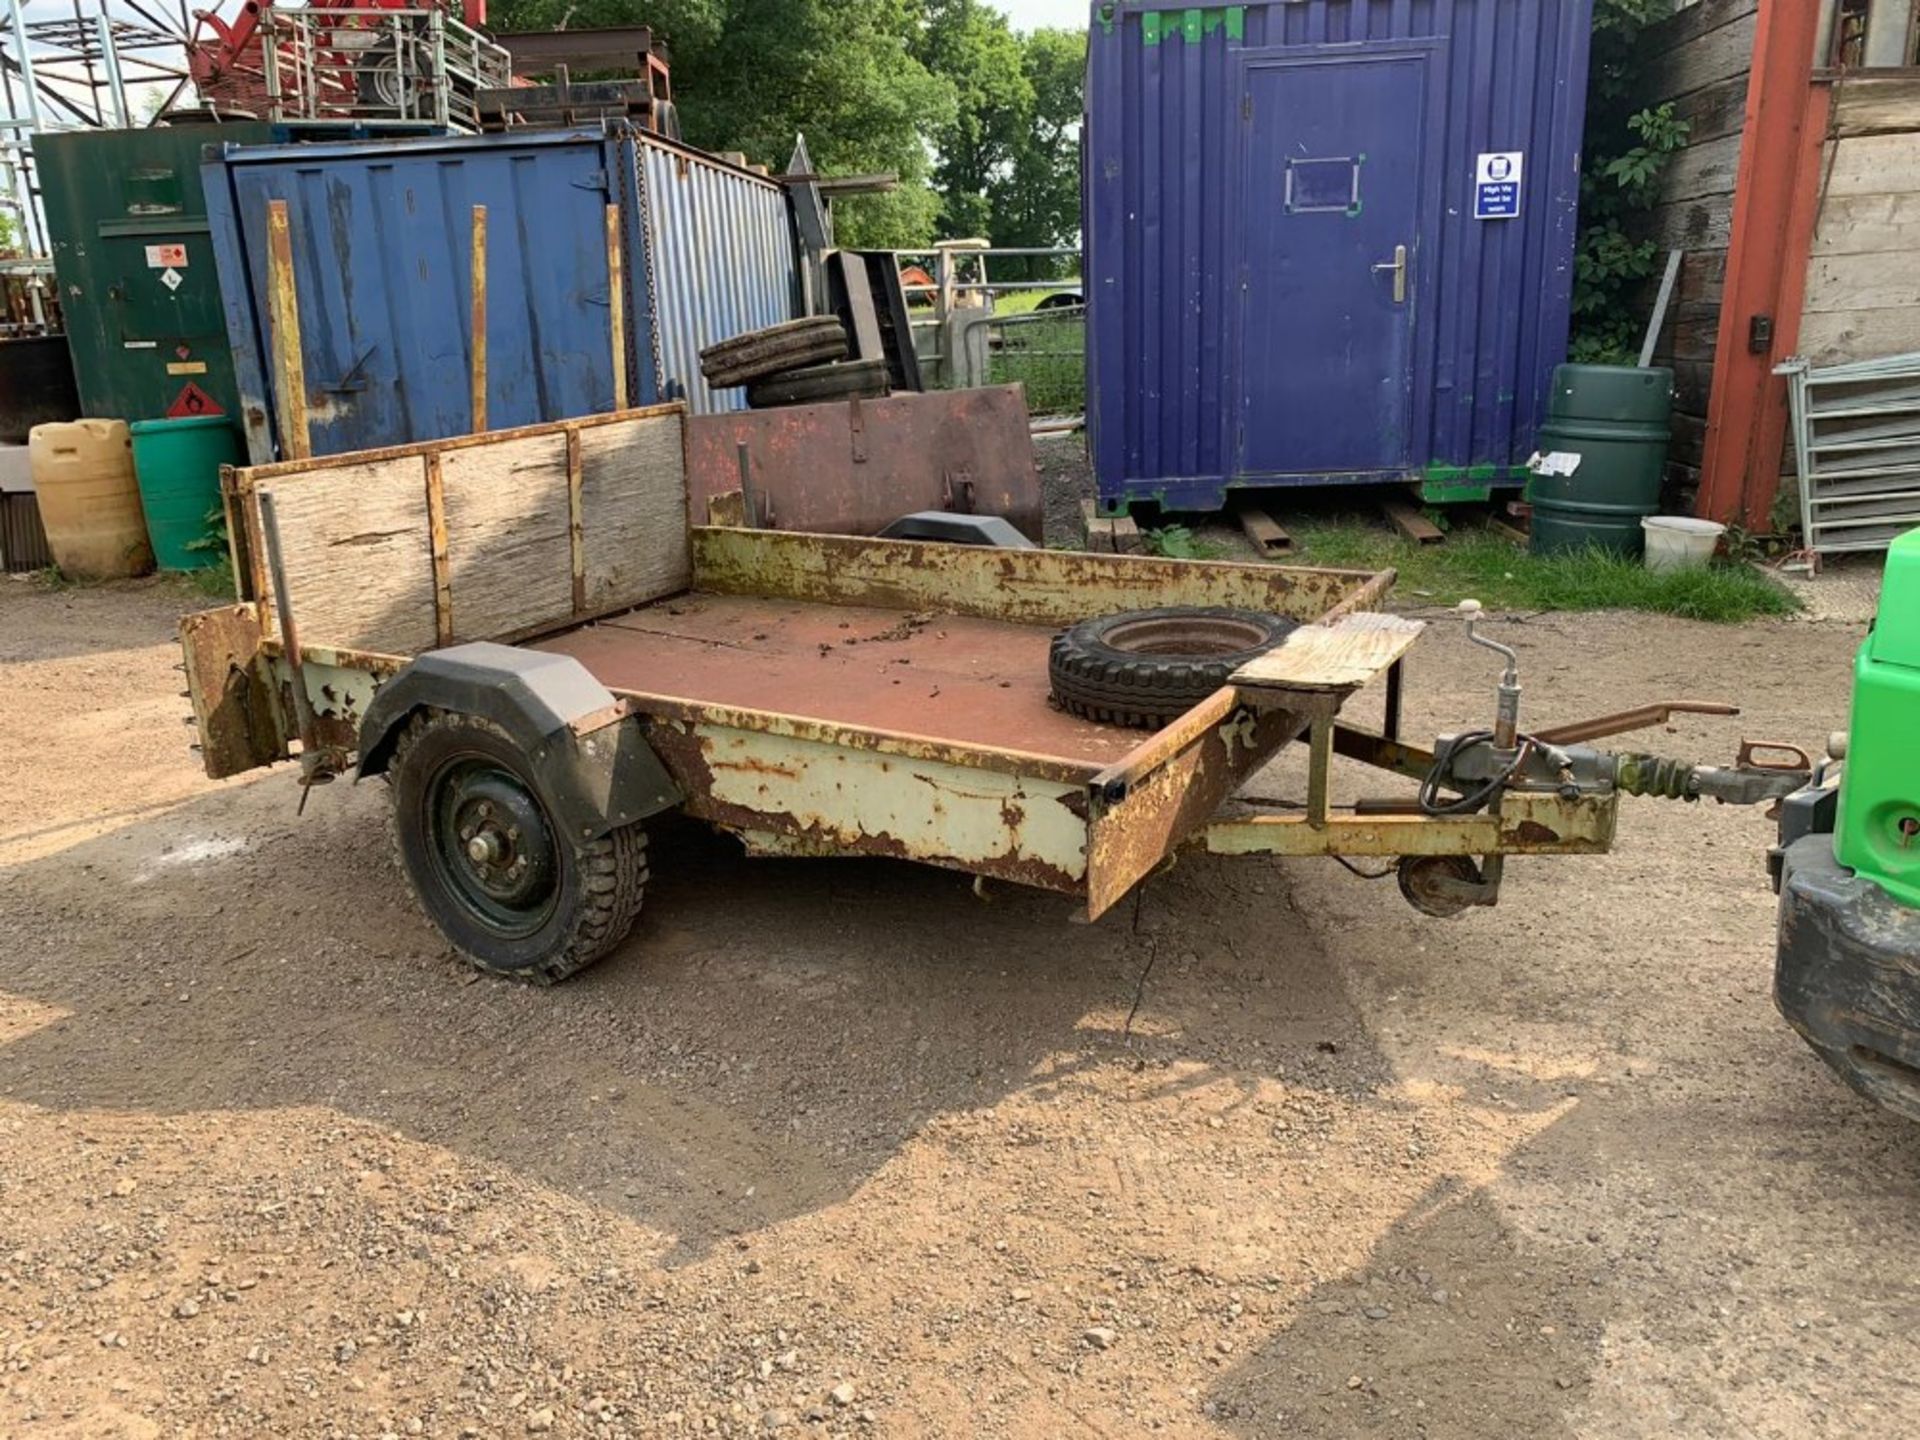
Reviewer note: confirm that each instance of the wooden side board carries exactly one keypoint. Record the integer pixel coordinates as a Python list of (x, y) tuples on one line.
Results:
[(478, 537), (1330, 659), (1863, 282)]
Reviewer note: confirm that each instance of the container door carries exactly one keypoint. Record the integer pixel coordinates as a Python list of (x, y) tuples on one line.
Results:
[(381, 243), (1330, 218)]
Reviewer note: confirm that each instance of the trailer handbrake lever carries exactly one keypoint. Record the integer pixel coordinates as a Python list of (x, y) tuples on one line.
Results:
[(1506, 723)]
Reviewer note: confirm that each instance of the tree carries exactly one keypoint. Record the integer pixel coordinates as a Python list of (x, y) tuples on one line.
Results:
[(1627, 148), (843, 72), (981, 124), (1037, 201), (749, 75), (975, 50), (1008, 165)]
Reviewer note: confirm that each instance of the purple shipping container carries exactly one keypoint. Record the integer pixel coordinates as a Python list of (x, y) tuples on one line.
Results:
[(1328, 241)]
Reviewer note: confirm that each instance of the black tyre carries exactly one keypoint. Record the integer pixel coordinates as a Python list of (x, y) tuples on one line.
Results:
[(1148, 667), (379, 82), (864, 379), (773, 351), (666, 119), (487, 864)]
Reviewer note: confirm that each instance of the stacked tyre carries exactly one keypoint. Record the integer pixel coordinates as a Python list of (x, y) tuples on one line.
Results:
[(802, 362)]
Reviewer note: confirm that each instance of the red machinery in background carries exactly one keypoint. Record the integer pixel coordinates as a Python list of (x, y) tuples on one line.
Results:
[(388, 60)]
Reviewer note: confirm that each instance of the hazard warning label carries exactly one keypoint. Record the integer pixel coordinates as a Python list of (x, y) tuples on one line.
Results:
[(191, 401)]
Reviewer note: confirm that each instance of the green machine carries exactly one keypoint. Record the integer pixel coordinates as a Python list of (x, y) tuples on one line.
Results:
[(128, 225), (1847, 972)]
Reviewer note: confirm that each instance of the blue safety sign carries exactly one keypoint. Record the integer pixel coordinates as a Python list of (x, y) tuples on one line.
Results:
[(1496, 186)]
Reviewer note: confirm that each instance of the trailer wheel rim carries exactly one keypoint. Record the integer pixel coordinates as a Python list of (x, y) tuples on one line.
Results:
[(1207, 636), (492, 847)]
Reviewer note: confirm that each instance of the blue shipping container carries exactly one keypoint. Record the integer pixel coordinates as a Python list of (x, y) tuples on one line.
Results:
[(1328, 241), (382, 245)]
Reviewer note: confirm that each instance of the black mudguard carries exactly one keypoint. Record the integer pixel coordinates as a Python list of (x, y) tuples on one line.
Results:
[(592, 765), (1847, 974)]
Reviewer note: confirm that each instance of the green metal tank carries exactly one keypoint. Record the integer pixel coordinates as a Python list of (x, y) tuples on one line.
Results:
[(177, 464), (127, 219), (1615, 418)]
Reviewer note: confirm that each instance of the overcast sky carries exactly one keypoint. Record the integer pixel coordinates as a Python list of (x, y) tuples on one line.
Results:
[(1038, 14)]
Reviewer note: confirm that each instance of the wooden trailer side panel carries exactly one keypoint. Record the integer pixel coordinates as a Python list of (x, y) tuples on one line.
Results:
[(479, 537)]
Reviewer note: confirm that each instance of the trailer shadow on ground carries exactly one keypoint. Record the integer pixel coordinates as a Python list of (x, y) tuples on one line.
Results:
[(770, 1035)]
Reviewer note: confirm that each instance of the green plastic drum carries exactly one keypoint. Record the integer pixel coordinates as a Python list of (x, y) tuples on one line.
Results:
[(1615, 418), (177, 464)]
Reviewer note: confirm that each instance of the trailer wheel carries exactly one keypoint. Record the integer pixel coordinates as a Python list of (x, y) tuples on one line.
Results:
[(488, 865), (1147, 668), (1427, 880)]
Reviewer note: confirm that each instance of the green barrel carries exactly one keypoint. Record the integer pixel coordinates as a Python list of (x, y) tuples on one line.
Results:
[(177, 464), (1616, 419)]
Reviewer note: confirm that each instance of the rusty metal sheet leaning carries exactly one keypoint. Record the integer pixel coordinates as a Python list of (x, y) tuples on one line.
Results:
[(851, 469), (240, 728)]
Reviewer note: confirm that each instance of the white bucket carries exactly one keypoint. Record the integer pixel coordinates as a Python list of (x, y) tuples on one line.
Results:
[(1680, 542)]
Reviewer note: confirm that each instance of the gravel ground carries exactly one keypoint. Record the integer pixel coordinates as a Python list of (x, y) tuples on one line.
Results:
[(837, 1148)]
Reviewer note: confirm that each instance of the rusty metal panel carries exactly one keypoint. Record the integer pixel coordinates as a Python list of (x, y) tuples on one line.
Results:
[(829, 796), (851, 469), (1128, 836), (1028, 587), (954, 679), (233, 706), (721, 261)]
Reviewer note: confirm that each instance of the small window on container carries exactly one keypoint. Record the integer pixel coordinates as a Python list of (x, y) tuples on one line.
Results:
[(1323, 186)]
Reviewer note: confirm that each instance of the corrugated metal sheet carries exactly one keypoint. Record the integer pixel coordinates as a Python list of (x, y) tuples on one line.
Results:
[(1177, 218), (720, 261), (381, 247)]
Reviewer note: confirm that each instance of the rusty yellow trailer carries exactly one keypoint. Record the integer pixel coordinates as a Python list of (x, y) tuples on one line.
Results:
[(526, 635)]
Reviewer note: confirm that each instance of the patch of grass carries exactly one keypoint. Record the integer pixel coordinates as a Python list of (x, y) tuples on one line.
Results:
[(215, 579), (1505, 577), (214, 582), (1177, 542)]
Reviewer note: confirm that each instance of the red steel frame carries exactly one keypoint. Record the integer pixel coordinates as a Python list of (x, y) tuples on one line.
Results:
[(1776, 203)]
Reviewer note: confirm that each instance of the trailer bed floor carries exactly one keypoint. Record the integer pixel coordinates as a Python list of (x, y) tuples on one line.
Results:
[(944, 677)]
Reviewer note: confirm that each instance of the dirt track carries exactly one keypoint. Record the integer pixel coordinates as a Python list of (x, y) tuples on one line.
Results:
[(837, 1146)]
